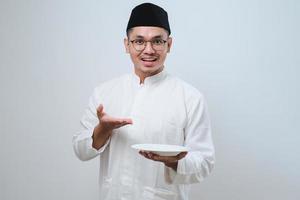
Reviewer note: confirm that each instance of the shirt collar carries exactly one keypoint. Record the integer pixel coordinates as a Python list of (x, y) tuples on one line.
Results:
[(151, 79)]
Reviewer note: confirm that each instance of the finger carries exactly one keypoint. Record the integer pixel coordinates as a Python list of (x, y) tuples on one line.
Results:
[(123, 123), (100, 110), (143, 154), (123, 120), (168, 158), (161, 158), (116, 124), (128, 120), (157, 157), (147, 155), (181, 155)]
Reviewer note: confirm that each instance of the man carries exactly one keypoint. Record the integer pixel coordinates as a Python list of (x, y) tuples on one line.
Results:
[(147, 106)]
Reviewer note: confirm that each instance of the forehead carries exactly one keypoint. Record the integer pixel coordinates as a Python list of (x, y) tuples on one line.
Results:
[(148, 32)]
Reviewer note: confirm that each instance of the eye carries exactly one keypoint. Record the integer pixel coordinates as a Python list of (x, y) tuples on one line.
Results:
[(158, 42), (139, 42)]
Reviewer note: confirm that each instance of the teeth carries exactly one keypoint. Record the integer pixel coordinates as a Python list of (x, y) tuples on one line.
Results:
[(147, 59)]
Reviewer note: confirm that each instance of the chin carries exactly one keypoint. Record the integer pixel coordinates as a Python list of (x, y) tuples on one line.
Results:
[(150, 69)]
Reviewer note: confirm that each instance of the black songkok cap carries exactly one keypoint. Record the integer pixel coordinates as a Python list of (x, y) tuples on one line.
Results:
[(148, 14)]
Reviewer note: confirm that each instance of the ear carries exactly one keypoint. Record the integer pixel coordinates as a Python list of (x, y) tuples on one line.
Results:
[(126, 44), (169, 42)]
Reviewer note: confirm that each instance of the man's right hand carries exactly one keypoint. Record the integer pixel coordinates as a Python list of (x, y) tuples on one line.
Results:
[(107, 124)]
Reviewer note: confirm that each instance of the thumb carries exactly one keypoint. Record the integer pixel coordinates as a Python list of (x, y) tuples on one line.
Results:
[(100, 110), (181, 155)]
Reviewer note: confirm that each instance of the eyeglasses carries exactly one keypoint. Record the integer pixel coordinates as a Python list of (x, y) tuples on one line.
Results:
[(156, 44)]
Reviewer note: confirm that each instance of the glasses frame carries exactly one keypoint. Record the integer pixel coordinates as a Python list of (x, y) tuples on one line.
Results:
[(145, 44)]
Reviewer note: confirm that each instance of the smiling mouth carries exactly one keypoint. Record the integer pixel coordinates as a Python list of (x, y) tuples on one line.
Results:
[(149, 59)]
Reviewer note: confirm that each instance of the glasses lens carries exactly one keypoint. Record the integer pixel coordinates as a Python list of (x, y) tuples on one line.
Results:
[(157, 45), (139, 47)]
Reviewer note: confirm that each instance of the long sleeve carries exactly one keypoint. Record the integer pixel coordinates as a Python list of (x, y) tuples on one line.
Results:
[(82, 141), (200, 159)]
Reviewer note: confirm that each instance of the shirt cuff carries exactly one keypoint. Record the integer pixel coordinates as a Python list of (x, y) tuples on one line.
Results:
[(83, 146), (188, 172), (90, 145), (172, 176)]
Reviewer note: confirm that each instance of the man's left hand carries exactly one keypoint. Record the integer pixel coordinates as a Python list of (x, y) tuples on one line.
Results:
[(169, 161)]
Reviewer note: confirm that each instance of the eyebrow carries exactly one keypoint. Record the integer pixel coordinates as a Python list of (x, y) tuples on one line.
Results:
[(142, 37)]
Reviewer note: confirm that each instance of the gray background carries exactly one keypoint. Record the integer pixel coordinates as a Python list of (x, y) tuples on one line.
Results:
[(242, 54)]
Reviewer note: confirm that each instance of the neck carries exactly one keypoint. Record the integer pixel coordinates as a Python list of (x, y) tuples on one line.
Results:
[(144, 75)]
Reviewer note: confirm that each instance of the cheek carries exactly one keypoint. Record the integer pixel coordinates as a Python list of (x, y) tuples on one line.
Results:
[(134, 56), (163, 57)]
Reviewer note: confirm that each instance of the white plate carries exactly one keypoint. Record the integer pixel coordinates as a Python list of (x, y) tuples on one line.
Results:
[(161, 149)]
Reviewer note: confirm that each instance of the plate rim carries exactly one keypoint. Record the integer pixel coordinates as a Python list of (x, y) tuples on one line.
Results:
[(183, 148)]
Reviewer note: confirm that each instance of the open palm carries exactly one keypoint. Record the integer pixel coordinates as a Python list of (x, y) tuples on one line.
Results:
[(109, 123)]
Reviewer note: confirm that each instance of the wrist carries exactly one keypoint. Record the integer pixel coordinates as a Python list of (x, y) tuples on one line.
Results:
[(100, 131), (99, 137), (172, 165)]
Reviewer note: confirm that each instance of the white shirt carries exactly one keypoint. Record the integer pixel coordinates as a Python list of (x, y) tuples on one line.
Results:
[(164, 110)]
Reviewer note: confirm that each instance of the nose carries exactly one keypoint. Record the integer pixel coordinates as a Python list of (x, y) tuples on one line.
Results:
[(148, 48)]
